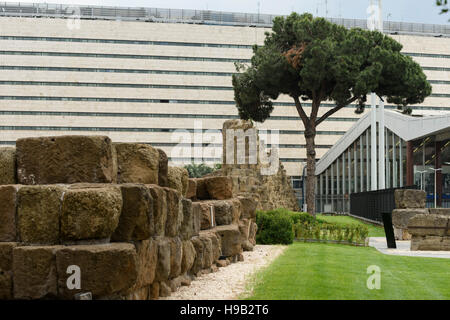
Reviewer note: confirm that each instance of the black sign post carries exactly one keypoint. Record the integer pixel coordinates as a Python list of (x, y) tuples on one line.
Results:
[(389, 230)]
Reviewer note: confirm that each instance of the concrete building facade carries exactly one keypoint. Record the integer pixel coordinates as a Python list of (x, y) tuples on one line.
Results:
[(139, 74)]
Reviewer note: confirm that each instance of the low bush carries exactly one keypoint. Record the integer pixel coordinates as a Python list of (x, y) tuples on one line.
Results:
[(281, 226)]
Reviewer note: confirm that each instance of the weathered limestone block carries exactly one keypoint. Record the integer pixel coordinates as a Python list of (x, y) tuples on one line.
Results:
[(248, 207), (35, 272), (409, 198), (154, 291), (223, 212), (215, 243), (163, 169), (244, 228), (208, 257), (206, 214), (252, 234), (6, 255), (38, 214), (174, 212), (430, 243), (219, 188), (428, 225), (164, 259), (178, 179), (159, 209), (90, 213), (6, 285), (8, 196), (147, 257), (140, 294), (136, 221), (199, 255), (137, 163), (187, 226), (197, 217), (176, 257), (191, 192), (7, 165), (236, 210), (230, 240), (106, 269), (66, 159), (440, 211), (400, 217), (188, 256), (201, 191), (164, 289)]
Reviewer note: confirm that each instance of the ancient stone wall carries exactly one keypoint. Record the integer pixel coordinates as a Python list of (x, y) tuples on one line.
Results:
[(428, 229), (271, 190), (116, 213)]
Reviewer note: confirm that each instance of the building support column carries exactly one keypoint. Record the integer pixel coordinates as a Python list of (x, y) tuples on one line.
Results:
[(361, 171), (355, 166), (394, 162), (338, 186), (387, 168), (373, 143), (368, 161), (332, 188), (381, 148), (400, 156), (438, 165), (409, 163)]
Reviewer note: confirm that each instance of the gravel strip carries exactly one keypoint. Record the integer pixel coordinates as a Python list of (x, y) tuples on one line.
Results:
[(229, 282)]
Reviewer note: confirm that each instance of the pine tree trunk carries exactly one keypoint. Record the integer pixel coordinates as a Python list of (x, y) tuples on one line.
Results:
[(310, 135)]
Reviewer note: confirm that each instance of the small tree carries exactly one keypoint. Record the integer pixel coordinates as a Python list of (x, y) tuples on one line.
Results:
[(199, 170), (443, 4), (312, 59)]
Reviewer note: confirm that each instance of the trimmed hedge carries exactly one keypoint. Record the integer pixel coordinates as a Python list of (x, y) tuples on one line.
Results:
[(281, 226)]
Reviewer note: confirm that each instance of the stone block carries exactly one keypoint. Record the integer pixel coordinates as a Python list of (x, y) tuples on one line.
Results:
[(6, 285), (206, 214), (199, 255), (178, 179), (440, 211), (136, 220), (409, 198), (219, 188), (8, 197), (174, 212), (208, 257), (187, 226), (137, 163), (164, 259), (400, 217), (147, 257), (35, 272), (159, 209), (106, 269), (7, 165), (231, 240), (176, 257), (163, 169), (154, 291), (66, 159), (191, 192), (201, 191), (223, 212), (90, 213), (189, 254), (38, 214), (248, 207), (428, 225), (197, 217), (6, 255)]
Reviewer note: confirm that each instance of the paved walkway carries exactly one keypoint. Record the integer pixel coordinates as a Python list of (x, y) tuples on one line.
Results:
[(403, 249)]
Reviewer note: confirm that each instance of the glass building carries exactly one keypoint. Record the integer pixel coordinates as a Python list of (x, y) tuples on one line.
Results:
[(399, 150)]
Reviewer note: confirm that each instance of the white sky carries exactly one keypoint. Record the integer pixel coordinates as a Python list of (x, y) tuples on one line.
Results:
[(423, 11)]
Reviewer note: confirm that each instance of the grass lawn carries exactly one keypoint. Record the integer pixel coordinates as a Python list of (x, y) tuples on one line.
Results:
[(320, 271), (374, 231)]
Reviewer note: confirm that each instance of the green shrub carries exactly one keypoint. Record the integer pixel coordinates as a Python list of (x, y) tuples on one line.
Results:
[(274, 228)]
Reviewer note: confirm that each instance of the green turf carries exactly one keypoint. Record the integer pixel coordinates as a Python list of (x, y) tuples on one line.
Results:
[(329, 271), (374, 231)]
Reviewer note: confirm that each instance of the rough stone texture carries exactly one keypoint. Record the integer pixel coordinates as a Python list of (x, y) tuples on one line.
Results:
[(191, 192), (409, 198), (147, 256), (248, 206), (230, 239), (35, 272), (90, 213), (7, 165), (208, 257), (206, 218), (430, 243), (38, 214), (440, 211), (163, 169), (178, 179), (219, 188), (66, 159), (270, 190), (6, 285), (174, 212), (197, 216), (176, 257), (154, 291), (400, 217), (163, 261), (136, 221), (187, 226), (106, 269), (164, 289), (201, 191), (236, 210), (199, 255), (224, 212), (137, 163), (188, 256), (139, 294), (6, 255), (252, 234), (8, 196), (428, 225), (159, 209)]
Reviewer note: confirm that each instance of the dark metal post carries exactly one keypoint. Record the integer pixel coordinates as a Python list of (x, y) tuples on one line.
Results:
[(389, 230)]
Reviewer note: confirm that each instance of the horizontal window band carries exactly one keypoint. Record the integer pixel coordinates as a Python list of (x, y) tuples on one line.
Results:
[(134, 42), (150, 115), (219, 160), (204, 145), (167, 130), (170, 43), (144, 86), (143, 71), (106, 70), (119, 56), (179, 101)]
